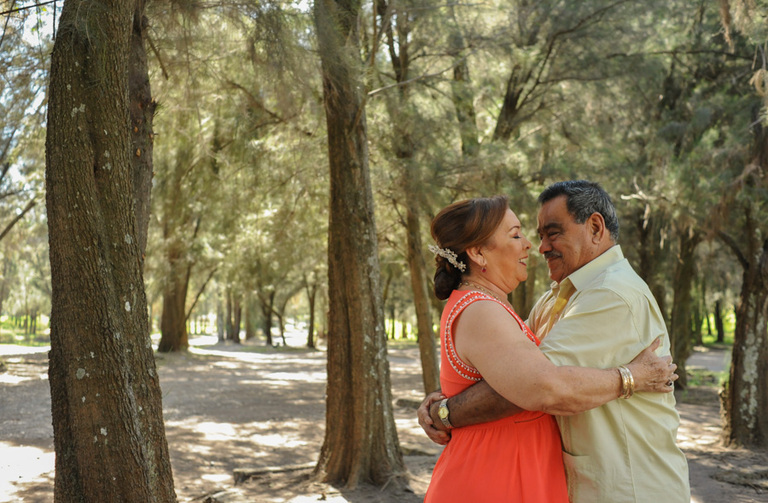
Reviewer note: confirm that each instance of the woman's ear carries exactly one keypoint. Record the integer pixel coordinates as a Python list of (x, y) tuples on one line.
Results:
[(475, 254)]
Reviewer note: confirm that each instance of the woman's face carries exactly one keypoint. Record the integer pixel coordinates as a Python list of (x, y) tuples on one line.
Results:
[(506, 253)]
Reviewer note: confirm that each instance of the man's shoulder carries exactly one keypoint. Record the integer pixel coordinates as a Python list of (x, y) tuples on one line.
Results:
[(620, 278)]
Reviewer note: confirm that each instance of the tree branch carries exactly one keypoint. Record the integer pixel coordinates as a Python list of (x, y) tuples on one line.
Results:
[(19, 9), (199, 293), (734, 246), (18, 217), (677, 52)]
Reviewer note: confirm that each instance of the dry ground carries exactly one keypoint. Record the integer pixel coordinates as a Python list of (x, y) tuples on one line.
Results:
[(229, 407)]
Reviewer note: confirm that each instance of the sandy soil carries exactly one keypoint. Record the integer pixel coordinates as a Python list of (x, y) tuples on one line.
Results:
[(261, 410)]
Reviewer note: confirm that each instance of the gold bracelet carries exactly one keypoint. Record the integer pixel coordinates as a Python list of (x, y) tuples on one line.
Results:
[(624, 381), (627, 382)]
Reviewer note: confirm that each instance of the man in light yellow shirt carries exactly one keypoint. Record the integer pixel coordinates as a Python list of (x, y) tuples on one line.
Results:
[(599, 313)]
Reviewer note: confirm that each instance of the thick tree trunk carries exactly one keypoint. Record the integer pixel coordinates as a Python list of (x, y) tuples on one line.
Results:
[(360, 437), (745, 398), (105, 396), (680, 333)]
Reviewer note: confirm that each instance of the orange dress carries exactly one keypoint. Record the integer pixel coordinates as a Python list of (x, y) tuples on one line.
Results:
[(516, 459)]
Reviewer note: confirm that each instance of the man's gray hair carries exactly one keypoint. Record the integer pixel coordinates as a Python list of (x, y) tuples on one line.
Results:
[(583, 198)]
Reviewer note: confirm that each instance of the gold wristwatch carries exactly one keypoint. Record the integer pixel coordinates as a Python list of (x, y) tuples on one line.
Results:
[(442, 413)]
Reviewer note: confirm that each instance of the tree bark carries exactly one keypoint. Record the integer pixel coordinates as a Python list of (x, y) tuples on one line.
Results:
[(173, 326), (719, 321), (402, 120), (267, 304), (311, 297), (360, 437), (106, 403), (461, 92), (430, 369), (250, 317), (680, 333), (745, 398)]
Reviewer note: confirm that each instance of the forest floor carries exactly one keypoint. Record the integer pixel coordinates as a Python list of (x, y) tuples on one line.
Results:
[(261, 410)]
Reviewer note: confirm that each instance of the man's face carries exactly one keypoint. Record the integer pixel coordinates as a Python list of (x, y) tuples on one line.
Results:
[(565, 244)]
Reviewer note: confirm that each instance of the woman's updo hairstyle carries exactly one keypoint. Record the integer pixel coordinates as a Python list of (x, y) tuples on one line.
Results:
[(462, 225)]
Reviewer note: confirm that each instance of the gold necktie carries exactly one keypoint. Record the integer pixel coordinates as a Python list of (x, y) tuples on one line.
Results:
[(565, 292)]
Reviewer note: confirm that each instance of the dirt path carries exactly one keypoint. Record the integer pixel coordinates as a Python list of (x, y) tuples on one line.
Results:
[(230, 408)]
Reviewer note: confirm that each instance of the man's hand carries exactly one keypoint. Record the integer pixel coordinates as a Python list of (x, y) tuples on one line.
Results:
[(427, 423)]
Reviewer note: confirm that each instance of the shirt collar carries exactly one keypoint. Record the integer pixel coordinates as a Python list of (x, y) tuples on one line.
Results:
[(582, 276)]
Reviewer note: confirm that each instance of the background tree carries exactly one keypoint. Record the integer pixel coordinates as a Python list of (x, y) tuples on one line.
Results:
[(360, 437), (746, 394), (106, 401)]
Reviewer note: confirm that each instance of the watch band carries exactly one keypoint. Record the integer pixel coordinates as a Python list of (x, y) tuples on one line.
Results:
[(443, 412)]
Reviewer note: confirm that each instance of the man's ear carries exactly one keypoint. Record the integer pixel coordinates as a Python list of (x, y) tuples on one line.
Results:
[(596, 226)]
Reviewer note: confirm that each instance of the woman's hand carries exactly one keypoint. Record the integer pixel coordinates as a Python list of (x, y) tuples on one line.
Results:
[(652, 372)]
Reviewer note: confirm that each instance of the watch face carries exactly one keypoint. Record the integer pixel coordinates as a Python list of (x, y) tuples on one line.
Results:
[(442, 412)]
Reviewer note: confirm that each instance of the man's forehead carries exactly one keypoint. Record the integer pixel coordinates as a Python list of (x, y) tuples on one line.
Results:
[(549, 225)]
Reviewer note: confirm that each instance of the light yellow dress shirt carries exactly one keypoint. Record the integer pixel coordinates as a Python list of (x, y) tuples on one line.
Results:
[(624, 451)]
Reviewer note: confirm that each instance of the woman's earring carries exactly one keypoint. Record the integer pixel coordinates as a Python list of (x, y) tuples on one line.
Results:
[(483, 269)]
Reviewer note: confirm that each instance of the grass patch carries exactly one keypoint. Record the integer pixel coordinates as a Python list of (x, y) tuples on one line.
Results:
[(402, 343), (16, 336), (707, 378), (729, 327)]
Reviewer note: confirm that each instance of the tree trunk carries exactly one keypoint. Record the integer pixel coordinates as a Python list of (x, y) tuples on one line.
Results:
[(220, 320), (267, 308), (237, 316), (680, 333), (461, 92), (173, 319), (508, 122), (311, 296), (360, 437), (430, 368), (651, 254), (745, 398), (719, 321), (402, 119), (250, 317), (697, 317), (106, 402), (524, 295)]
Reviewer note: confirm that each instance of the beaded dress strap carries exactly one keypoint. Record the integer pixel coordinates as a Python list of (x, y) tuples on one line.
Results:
[(461, 368)]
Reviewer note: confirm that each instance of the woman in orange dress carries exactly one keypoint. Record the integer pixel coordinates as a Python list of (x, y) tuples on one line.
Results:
[(481, 255)]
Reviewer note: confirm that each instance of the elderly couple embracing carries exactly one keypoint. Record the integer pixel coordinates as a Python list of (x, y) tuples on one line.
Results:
[(575, 404)]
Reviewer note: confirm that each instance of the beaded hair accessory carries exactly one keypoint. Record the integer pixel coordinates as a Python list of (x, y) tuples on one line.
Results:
[(448, 255)]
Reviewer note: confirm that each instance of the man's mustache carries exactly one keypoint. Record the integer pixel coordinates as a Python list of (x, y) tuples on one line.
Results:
[(552, 254)]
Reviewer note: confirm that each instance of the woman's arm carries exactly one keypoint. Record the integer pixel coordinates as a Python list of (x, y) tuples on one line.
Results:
[(487, 338)]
